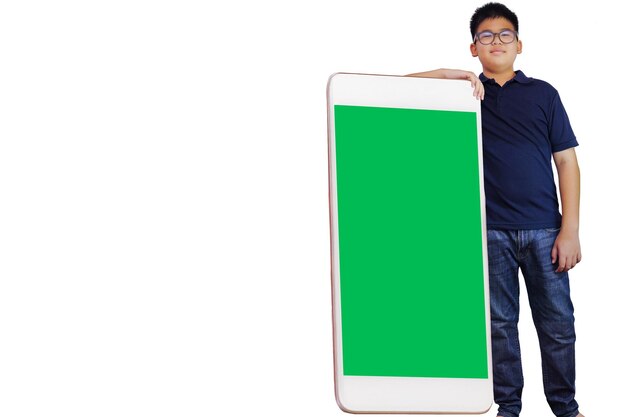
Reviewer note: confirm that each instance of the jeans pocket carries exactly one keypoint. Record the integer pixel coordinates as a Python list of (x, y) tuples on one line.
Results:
[(552, 229)]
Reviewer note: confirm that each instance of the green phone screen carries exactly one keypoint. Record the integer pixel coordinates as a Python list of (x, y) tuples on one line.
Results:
[(410, 243)]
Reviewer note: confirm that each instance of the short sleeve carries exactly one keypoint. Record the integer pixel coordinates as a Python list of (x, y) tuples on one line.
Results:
[(561, 134)]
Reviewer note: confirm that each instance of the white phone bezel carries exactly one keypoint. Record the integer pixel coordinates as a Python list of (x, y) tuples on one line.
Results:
[(365, 394)]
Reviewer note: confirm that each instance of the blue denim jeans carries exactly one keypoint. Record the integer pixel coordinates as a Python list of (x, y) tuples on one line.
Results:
[(552, 312)]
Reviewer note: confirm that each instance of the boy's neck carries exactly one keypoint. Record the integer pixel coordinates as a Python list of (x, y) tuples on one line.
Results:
[(501, 77)]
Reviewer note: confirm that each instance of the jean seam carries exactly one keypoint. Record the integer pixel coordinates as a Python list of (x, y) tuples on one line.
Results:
[(522, 245), (519, 354)]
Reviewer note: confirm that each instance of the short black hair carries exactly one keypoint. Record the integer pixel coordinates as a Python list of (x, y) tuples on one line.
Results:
[(492, 11)]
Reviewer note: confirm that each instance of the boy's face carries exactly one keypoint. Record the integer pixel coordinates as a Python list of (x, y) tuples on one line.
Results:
[(497, 56)]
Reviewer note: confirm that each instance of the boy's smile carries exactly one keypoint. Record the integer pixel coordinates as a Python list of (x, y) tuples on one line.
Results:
[(497, 57)]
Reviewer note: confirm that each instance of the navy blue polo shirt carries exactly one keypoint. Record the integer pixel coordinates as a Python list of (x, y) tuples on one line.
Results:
[(523, 123)]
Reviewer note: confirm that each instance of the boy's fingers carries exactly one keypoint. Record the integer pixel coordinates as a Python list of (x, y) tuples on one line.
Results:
[(566, 264), (479, 91), (553, 254)]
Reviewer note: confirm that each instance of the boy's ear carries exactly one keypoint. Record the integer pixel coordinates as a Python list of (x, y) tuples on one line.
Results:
[(474, 51), (519, 47)]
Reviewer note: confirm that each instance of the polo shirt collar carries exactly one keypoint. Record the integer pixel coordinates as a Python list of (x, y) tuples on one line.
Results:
[(520, 77)]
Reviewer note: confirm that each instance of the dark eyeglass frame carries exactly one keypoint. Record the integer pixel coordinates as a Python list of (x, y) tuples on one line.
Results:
[(477, 36)]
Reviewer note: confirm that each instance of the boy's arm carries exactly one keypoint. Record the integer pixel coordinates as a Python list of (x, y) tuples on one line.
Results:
[(452, 74), (567, 245)]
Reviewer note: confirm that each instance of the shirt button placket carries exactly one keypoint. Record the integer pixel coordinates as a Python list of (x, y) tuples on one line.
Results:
[(499, 98)]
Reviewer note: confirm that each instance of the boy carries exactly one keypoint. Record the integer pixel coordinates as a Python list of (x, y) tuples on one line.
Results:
[(524, 124)]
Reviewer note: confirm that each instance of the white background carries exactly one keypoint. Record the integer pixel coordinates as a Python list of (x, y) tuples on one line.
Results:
[(164, 232)]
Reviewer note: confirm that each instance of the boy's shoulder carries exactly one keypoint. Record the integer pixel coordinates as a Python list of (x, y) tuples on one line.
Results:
[(536, 90), (535, 83)]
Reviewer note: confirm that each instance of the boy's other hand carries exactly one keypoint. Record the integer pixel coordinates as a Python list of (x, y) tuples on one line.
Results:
[(566, 250)]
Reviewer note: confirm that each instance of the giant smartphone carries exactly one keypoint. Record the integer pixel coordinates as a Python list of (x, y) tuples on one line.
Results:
[(408, 239)]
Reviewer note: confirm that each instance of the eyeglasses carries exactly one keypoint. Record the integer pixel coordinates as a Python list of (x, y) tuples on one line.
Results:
[(487, 37)]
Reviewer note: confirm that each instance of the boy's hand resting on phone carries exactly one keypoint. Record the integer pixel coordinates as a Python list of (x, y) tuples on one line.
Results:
[(454, 74)]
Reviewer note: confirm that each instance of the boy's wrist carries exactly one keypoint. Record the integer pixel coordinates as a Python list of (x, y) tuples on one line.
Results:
[(570, 228)]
